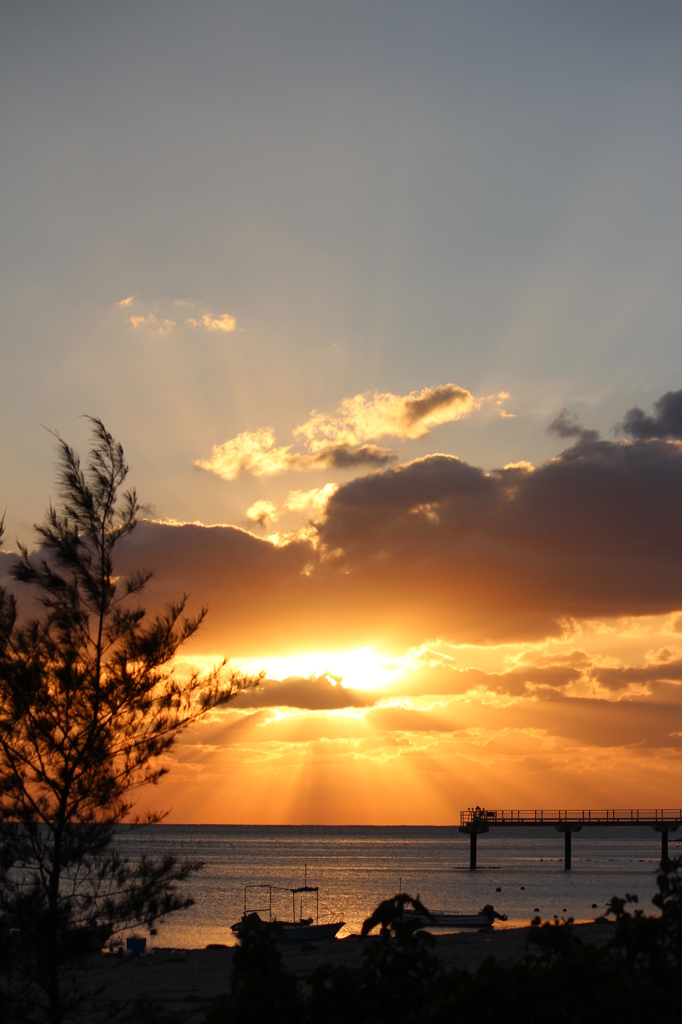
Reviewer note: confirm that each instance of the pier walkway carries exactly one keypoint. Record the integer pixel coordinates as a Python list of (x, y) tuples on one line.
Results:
[(477, 820)]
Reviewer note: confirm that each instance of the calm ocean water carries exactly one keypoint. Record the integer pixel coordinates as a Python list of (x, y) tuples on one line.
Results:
[(357, 866)]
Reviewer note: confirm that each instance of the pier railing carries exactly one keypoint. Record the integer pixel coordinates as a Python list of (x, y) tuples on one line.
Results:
[(483, 816)]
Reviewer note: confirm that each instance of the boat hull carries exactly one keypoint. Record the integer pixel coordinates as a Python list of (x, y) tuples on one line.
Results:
[(443, 920), (306, 932), (287, 931)]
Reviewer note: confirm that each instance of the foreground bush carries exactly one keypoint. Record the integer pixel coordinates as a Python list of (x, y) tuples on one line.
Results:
[(636, 977)]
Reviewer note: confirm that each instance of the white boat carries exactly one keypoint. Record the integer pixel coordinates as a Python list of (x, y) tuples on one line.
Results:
[(299, 929), (445, 919)]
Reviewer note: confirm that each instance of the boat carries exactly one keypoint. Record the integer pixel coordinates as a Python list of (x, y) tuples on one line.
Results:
[(299, 929), (444, 919)]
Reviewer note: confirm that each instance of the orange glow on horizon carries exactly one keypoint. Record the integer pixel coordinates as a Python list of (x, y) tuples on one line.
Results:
[(363, 736)]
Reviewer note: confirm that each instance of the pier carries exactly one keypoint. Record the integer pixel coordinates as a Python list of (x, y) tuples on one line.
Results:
[(478, 820)]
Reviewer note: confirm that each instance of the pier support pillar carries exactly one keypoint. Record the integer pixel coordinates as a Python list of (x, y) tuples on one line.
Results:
[(567, 831), (473, 830), (664, 829)]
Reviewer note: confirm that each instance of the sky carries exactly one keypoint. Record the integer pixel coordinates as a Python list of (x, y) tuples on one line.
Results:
[(383, 301)]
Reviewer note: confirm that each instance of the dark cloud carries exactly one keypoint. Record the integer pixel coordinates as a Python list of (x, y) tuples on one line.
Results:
[(608, 723), (593, 722), (542, 681), (566, 424), (317, 694), (653, 676), (438, 547), (346, 456), (640, 723), (256, 593), (666, 421), (592, 532)]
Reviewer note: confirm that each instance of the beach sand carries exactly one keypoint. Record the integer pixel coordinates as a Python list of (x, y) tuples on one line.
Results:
[(185, 981)]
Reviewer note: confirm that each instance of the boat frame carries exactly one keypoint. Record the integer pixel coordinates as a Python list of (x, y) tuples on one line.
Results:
[(294, 930), (283, 888)]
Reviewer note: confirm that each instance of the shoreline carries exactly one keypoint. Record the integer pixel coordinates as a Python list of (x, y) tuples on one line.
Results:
[(185, 981)]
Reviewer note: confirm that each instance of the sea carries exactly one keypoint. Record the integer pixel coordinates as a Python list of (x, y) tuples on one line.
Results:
[(520, 872)]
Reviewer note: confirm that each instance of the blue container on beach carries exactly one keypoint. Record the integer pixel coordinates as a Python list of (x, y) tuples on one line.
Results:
[(136, 944)]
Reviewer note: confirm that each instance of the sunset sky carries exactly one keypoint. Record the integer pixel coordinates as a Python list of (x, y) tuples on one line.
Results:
[(384, 302)]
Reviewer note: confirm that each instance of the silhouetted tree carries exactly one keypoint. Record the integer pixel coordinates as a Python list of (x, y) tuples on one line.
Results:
[(88, 703)]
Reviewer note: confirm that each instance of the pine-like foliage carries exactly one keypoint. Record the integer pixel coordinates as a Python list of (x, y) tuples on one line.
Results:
[(89, 702)]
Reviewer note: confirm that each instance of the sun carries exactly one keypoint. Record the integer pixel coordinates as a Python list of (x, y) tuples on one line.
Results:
[(362, 668)]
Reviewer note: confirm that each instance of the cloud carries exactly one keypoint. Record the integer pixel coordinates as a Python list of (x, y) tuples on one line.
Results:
[(256, 452), (508, 727), (224, 322), (501, 397), (151, 321), (321, 693), (262, 512), (566, 424), (311, 503), (250, 585), (665, 423), (366, 417), (341, 442), (438, 547), (250, 452), (592, 532), (665, 656), (345, 456), (575, 673)]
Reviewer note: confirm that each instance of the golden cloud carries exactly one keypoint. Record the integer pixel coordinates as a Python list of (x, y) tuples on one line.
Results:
[(310, 503), (366, 417), (664, 655), (255, 452), (500, 398), (250, 452), (151, 321), (224, 322), (341, 442), (262, 513)]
